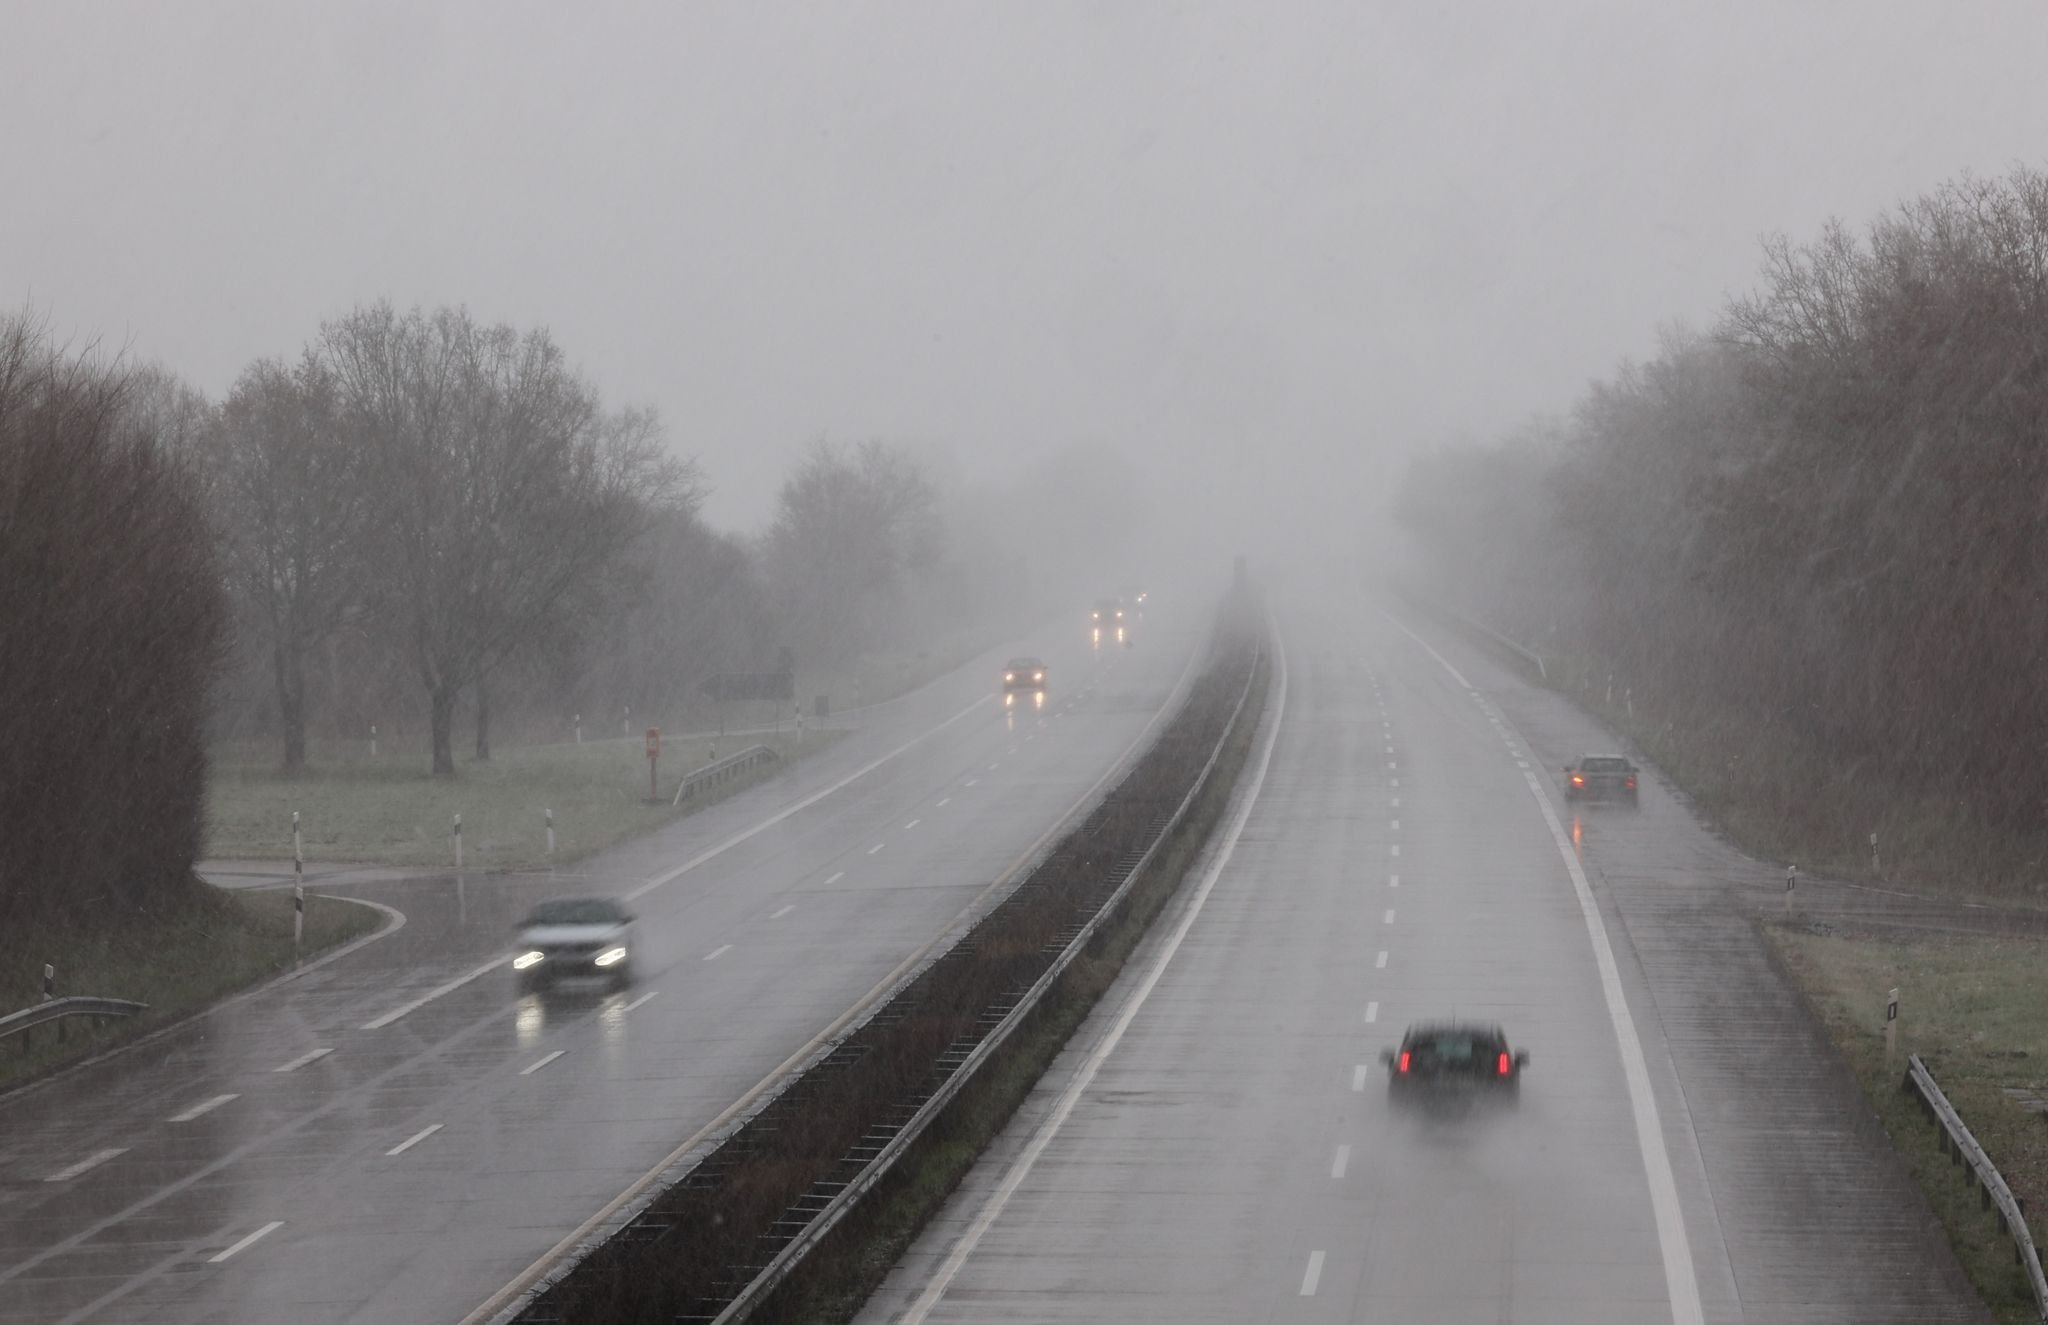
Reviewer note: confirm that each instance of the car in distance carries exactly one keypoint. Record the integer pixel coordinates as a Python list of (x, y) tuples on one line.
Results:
[(1600, 777), (575, 938), (1108, 620), (1453, 1059), (1024, 676)]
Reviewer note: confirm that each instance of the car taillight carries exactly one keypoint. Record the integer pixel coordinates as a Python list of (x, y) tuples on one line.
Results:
[(1630, 784), (1578, 781), (1504, 1065), (1404, 1060)]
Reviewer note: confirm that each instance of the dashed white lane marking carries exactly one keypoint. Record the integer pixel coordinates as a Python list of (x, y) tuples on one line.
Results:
[(541, 1062), (1313, 1275), (1395, 825), (1020, 1169), (1341, 1162), (1397, 802), (247, 1242), (1391, 765), (434, 993), (1680, 1281), (835, 878), (414, 1139), (994, 765), (944, 801), (638, 1001), (1380, 962), (1393, 881), (1372, 1011), (1358, 1077), (1390, 750), (1394, 850), (304, 1059), (1521, 763), (876, 847), (912, 824), (91, 1161), (780, 912), (972, 781), (712, 852), (718, 952), (1393, 782), (203, 1107), (1388, 918)]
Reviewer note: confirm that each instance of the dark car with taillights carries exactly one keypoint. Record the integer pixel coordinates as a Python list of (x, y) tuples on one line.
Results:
[(1600, 778), (1453, 1059)]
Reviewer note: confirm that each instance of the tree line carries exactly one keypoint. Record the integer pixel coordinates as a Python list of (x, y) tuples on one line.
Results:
[(1827, 515)]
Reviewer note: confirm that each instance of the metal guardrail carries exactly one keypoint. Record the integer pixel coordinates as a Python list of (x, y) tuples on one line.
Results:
[(1962, 1148), (764, 1282), (59, 1010), (724, 771)]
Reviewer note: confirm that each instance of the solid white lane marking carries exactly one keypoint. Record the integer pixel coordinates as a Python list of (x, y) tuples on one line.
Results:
[(414, 1139), (718, 952), (247, 1242), (1393, 881), (434, 993), (1313, 1275), (912, 824), (835, 878), (876, 847), (1380, 962), (91, 1161), (1456, 675), (1394, 850), (1372, 1011), (1679, 1278), (1226, 846), (670, 876), (1341, 1162), (640, 1000), (304, 1059), (1388, 918), (944, 801), (539, 1063), (203, 1107), (1358, 1077), (780, 912)]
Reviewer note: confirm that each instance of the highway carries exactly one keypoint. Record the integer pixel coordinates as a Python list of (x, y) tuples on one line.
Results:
[(396, 1136), (1216, 1143)]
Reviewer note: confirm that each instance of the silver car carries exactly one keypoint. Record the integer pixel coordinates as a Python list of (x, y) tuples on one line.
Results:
[(575, 938)]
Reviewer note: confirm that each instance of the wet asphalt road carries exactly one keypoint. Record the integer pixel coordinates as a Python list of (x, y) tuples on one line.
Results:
[(396, 1135), (1220, 1147)]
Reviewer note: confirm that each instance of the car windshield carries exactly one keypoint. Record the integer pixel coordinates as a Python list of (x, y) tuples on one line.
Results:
[(577, 911)]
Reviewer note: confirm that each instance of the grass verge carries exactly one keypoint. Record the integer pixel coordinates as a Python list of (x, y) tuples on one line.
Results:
[(1971, 1008), (391, 811), (833, 1282), (219, 943)]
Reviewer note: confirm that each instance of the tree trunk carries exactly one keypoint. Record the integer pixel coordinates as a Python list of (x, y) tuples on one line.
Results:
[(291, 704), (442, 716), (483, 721)]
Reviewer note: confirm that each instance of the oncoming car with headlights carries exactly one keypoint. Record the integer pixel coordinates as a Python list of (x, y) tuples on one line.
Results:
[(1024, 676), (575, 938)]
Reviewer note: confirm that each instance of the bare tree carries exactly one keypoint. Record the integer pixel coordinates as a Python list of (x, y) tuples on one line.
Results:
[(504, 489), (293, 506)]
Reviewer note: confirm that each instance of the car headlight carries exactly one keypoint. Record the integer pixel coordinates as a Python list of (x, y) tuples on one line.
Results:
[(611, 956), (1009, 676), (1038, 676), (528, 959)]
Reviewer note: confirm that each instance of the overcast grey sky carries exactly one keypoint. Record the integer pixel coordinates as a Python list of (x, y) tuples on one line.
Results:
[(1260, 246)]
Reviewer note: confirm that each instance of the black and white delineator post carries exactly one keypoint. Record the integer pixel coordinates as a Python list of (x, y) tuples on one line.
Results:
[(1791, 881), (298, 887), (1891, 1023), (49, 982), (1875, 868)]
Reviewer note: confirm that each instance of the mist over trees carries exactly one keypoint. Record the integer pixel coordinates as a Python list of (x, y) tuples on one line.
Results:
[(112, 619), (1827, 517)]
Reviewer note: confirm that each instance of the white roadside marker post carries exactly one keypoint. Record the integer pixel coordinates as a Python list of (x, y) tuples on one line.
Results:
[(458, 842), (551, 837), (298, 889), (1791, 879), (1875, 867), (1891, 1025), (373, 740), (49, 981)]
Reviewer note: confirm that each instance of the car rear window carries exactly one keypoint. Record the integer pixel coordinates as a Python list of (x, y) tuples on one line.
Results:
[(1451, 1049), (577, 911), (1605, 765)]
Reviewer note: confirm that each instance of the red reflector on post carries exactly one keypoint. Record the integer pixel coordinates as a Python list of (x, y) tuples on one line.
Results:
[(1404, 1060), (1503, 1064)]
